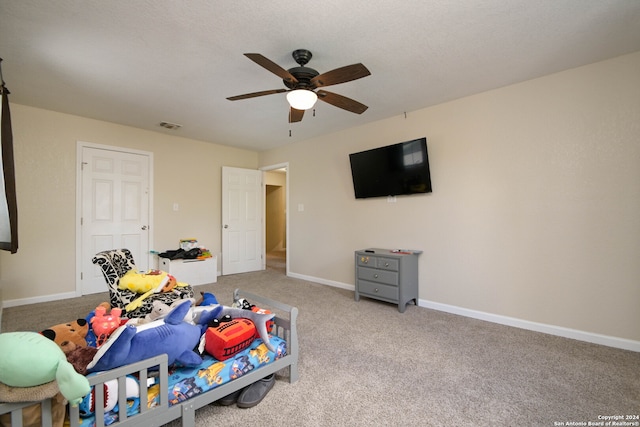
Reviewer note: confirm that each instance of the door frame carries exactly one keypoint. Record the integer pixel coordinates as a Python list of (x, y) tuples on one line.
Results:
[(79, 146), (284, 165), (258, 211)]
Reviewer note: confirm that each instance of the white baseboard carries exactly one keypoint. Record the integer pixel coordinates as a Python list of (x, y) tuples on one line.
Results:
[(322, 281), (35, 300), (560, 331)]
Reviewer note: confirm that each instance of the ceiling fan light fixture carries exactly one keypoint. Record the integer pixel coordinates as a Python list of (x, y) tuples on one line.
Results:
[(302, 99)]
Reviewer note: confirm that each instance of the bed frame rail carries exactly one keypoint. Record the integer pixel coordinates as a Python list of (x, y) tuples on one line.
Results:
[(142, 368), (15, 409)]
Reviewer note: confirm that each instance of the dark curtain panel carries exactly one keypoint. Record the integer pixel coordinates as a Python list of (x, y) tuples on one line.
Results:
[(8, 169)]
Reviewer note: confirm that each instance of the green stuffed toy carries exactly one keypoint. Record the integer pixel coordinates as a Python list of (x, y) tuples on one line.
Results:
[(28, 359)]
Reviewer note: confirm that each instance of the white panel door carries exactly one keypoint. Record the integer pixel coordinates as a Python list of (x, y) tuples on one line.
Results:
[(115, 210), (241, 220)]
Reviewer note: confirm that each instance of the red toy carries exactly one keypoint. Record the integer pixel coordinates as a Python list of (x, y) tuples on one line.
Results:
[(229, 338), (104, 324), (259, 310), (246, 305)]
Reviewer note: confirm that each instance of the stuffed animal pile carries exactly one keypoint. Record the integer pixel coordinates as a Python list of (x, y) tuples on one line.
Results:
[(103, 341)]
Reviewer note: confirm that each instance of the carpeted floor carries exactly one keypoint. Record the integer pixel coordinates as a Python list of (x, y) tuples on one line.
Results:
[(365, 364)]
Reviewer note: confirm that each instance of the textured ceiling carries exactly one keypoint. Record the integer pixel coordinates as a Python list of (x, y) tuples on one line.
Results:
[(139, 62)]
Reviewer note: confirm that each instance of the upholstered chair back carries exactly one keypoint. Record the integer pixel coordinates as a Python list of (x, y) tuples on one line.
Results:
[(114, 264)]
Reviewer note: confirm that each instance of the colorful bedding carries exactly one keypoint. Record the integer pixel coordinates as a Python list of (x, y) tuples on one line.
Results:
[(185, 383)]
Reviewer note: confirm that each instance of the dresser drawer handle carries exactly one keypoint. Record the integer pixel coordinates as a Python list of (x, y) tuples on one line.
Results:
[(386, 264), (375, 290), (375, 276)]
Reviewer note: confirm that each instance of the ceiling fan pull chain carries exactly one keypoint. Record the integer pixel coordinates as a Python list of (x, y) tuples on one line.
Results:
[(289, 133), (314, 112)]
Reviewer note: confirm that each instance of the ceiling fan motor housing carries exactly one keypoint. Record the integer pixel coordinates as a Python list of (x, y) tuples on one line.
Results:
[(303, 75)]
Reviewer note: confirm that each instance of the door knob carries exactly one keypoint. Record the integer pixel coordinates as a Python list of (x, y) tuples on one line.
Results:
[(226, 226), (144, 227)]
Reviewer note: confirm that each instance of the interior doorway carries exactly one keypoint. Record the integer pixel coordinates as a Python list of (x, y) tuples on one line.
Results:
[(276, 218)]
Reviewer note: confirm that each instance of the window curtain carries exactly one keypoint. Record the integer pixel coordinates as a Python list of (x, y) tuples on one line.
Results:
[(8, 204)]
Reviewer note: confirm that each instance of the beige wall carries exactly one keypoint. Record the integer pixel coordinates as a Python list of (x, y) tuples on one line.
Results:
[(187, 172), (535, 212)]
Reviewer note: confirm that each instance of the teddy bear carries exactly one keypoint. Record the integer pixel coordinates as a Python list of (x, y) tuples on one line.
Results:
[(69, 335)]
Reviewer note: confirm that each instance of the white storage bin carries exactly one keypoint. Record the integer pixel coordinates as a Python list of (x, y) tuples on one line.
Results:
[(192, 271)]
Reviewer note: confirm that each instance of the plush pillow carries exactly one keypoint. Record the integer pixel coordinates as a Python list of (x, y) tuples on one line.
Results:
[(142, 282), (229, 338), (29, 359)]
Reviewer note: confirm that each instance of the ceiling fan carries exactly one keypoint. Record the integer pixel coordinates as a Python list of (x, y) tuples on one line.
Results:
[(302, 82)]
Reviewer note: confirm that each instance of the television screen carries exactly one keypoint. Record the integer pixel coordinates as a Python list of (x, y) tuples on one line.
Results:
[(394, 170)]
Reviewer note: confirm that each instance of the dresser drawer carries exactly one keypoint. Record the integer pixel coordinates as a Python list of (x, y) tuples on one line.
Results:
[(387, 264), (379, 276), (378, 290), (366, 260)]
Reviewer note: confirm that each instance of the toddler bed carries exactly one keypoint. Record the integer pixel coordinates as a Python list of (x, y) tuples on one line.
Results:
[(176, 393)]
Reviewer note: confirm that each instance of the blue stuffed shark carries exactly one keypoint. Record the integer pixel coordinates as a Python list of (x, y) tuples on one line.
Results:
[(170, 335)]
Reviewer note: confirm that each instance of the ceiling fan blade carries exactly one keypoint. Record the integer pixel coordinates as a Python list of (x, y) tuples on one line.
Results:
[(271, 66), (295, 115), (255, 94), (340, 75), (342, 102)]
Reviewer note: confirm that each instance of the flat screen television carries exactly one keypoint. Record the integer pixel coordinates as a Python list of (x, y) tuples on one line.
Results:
[(394, 170)]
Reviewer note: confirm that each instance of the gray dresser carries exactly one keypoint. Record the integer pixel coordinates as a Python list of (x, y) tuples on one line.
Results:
[(387, 276)]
